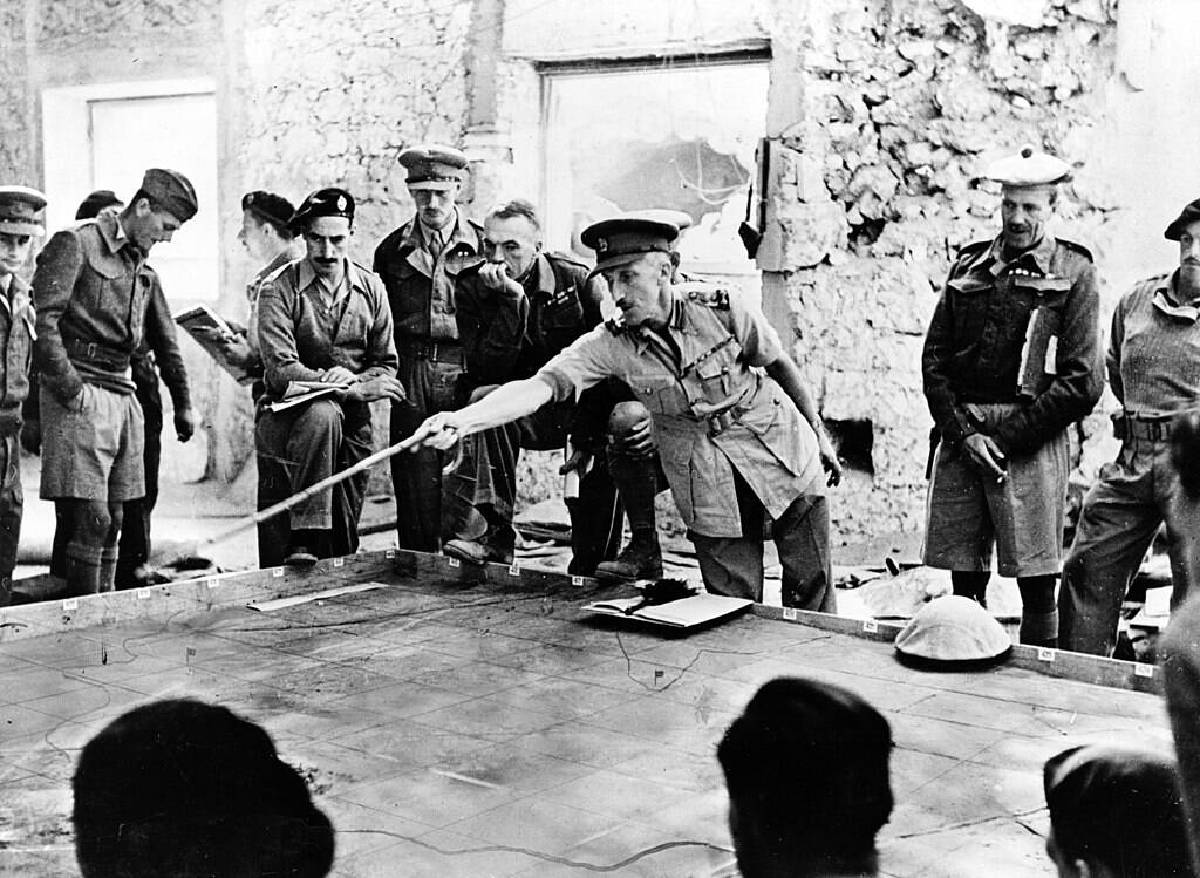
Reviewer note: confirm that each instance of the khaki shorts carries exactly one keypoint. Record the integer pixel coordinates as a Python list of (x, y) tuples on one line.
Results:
[(92, 446), (1022, 516)]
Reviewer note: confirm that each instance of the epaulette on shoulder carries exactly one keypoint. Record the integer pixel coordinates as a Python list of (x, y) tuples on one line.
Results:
[(569, 258), (709, 295), (1077, 248)]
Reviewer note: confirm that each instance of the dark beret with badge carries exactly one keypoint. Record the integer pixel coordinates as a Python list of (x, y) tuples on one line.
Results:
[(171, 191), (323, 202), (1189, 215), (97, 201), (21, 210), (623, 239), (267, 207), (433, 166)]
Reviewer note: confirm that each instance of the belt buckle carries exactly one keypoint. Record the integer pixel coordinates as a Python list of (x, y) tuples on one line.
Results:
[(433, 352), (1156, 431), (91, 350)]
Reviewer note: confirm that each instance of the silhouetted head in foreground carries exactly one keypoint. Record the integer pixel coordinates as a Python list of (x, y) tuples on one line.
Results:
[(1115, 813), (806, 765), (186, 789)]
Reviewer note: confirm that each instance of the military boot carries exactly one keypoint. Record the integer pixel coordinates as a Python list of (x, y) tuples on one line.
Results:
[(640, 559)]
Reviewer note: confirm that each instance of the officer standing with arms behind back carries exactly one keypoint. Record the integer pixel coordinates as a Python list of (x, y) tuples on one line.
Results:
[(419, 263), (738, 444), (1154, 371), (20, 223), (1010, 361)]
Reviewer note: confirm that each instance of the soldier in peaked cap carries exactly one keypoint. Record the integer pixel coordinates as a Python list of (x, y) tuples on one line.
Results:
[(92, 288), (20, 223), (738, 444), (322, 318), (1010, 361), (1154, 371), (419, 263)]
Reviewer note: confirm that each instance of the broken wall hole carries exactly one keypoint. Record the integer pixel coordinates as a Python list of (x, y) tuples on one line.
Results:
[(855, 443)]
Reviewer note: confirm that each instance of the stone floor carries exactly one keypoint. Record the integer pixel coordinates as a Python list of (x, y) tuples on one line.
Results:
[(468, 732)]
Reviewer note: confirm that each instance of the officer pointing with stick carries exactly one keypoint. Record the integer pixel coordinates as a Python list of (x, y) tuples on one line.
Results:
[(738, 445)]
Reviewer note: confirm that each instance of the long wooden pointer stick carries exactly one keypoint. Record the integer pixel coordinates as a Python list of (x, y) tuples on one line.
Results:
[(284, 505)]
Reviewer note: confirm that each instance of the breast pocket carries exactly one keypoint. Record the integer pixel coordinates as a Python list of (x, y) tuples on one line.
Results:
[(661, 394)]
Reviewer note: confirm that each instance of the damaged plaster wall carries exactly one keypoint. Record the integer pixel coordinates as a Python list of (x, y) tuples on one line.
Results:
[(902, 103)]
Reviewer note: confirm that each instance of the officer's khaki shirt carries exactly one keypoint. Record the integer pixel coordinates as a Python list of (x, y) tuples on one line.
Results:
[(712, 412)]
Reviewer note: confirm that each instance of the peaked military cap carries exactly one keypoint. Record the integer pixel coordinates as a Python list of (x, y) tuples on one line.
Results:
[(324, 202), (1029, 168), (953, 628), (20, 210), (623, 239), (171, 191), (269, 207), (1189, 215), (433, 166), (96, 201), (677, 218)]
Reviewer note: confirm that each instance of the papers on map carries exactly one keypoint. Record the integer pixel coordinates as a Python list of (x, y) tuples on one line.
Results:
[(683, 613)]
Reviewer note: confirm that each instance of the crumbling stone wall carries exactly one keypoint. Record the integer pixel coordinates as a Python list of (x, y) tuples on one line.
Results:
[(904, 103)]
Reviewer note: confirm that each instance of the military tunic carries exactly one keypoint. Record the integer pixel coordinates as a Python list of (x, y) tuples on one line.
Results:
[(1154, 371), (420, 289), (506, 338), (301, 334), (1011, 352), (16, 341), (727, 435)]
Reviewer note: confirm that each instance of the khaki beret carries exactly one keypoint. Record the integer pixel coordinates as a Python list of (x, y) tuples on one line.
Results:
[(433, 166), (21, 210), (626, 238), (171, 191), (1029, 168)]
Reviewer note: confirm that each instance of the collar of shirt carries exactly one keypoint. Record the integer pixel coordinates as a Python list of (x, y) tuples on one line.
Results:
[(112, 231), (459, 232), (1165, 299), (1041, 255), (540, 277), (306, 277)]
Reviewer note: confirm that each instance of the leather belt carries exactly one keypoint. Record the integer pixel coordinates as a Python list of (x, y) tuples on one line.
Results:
[(442, 351), (1151, 428), (97, 352)]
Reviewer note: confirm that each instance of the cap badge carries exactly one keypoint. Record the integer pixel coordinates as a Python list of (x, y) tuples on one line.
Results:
[(341, 202)]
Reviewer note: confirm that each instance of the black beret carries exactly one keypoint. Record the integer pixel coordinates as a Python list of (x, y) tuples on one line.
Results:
[(269, 207), (1190, 214), (91, 206), (324, 202)]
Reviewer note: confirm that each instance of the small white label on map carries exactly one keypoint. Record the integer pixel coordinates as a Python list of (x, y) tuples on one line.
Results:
[(213, 583), (390, 553), (1141, 669), (144, 594), (277, 572), (870, 626), (453, 562), (577, 581), (790, 614), (514, 570), (70, 605), (1046, 654), (338, 562)]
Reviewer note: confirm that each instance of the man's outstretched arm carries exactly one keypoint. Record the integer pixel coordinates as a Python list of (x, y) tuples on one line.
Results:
[(506, 403)]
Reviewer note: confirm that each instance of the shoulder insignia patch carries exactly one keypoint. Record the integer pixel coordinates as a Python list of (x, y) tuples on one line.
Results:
[(709, 296)]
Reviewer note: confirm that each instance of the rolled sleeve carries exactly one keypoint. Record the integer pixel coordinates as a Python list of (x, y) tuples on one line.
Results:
[(760, 342), (589, 360)]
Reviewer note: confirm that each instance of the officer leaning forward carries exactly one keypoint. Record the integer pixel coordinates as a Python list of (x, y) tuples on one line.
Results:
[(20, 223), (1154, 371), (418, 264), (737, 444), (1010, 361)]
